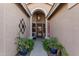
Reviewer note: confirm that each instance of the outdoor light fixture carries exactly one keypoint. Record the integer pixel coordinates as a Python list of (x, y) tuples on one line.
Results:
[(38, 17)]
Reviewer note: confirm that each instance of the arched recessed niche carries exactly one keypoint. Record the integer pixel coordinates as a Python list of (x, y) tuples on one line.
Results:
[(38, 24)]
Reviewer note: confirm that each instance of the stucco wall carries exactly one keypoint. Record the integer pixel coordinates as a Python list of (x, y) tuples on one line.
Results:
[(65, 26), (12, 16), (1, 30)]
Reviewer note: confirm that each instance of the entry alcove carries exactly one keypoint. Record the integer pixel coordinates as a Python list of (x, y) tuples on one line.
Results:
[(38, 24)]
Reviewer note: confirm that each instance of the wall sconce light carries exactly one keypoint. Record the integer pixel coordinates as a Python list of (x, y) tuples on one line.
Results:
[(38, 17)]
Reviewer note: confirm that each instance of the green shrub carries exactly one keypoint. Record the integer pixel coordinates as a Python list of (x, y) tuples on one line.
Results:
[(64, 52), (53, 43), (53, 39), (25, 43), (46, 44), (30, 43)]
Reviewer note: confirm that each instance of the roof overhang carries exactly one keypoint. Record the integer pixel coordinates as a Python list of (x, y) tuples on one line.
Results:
[(26, 8), (53, 8)]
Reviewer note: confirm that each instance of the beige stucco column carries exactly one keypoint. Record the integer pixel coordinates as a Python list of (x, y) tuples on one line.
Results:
[(31, 27), (46, 28)]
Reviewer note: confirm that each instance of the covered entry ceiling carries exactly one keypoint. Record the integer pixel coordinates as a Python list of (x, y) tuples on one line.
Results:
[(44, 6), (47, 8)]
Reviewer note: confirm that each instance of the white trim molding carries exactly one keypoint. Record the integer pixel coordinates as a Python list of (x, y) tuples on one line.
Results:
[(53, 8), (39, 9), (70, 5), (26, 8)]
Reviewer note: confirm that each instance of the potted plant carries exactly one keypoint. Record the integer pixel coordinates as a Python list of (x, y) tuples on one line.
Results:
[(24, 46), (56, 48), (52, 46), (23, 51)]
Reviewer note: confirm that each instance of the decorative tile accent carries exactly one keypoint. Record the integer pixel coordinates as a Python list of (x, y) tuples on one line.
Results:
[(22, 26)]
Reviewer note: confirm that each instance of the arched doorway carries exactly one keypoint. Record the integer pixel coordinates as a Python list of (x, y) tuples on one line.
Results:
[(38, 24)]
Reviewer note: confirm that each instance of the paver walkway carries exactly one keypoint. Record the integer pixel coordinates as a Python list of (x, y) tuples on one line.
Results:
[(38, 49)]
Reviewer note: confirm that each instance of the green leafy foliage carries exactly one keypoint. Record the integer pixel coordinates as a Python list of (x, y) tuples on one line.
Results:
[(25, 43), (30, 43), (46, 44), (53, 43), (64, 52)]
